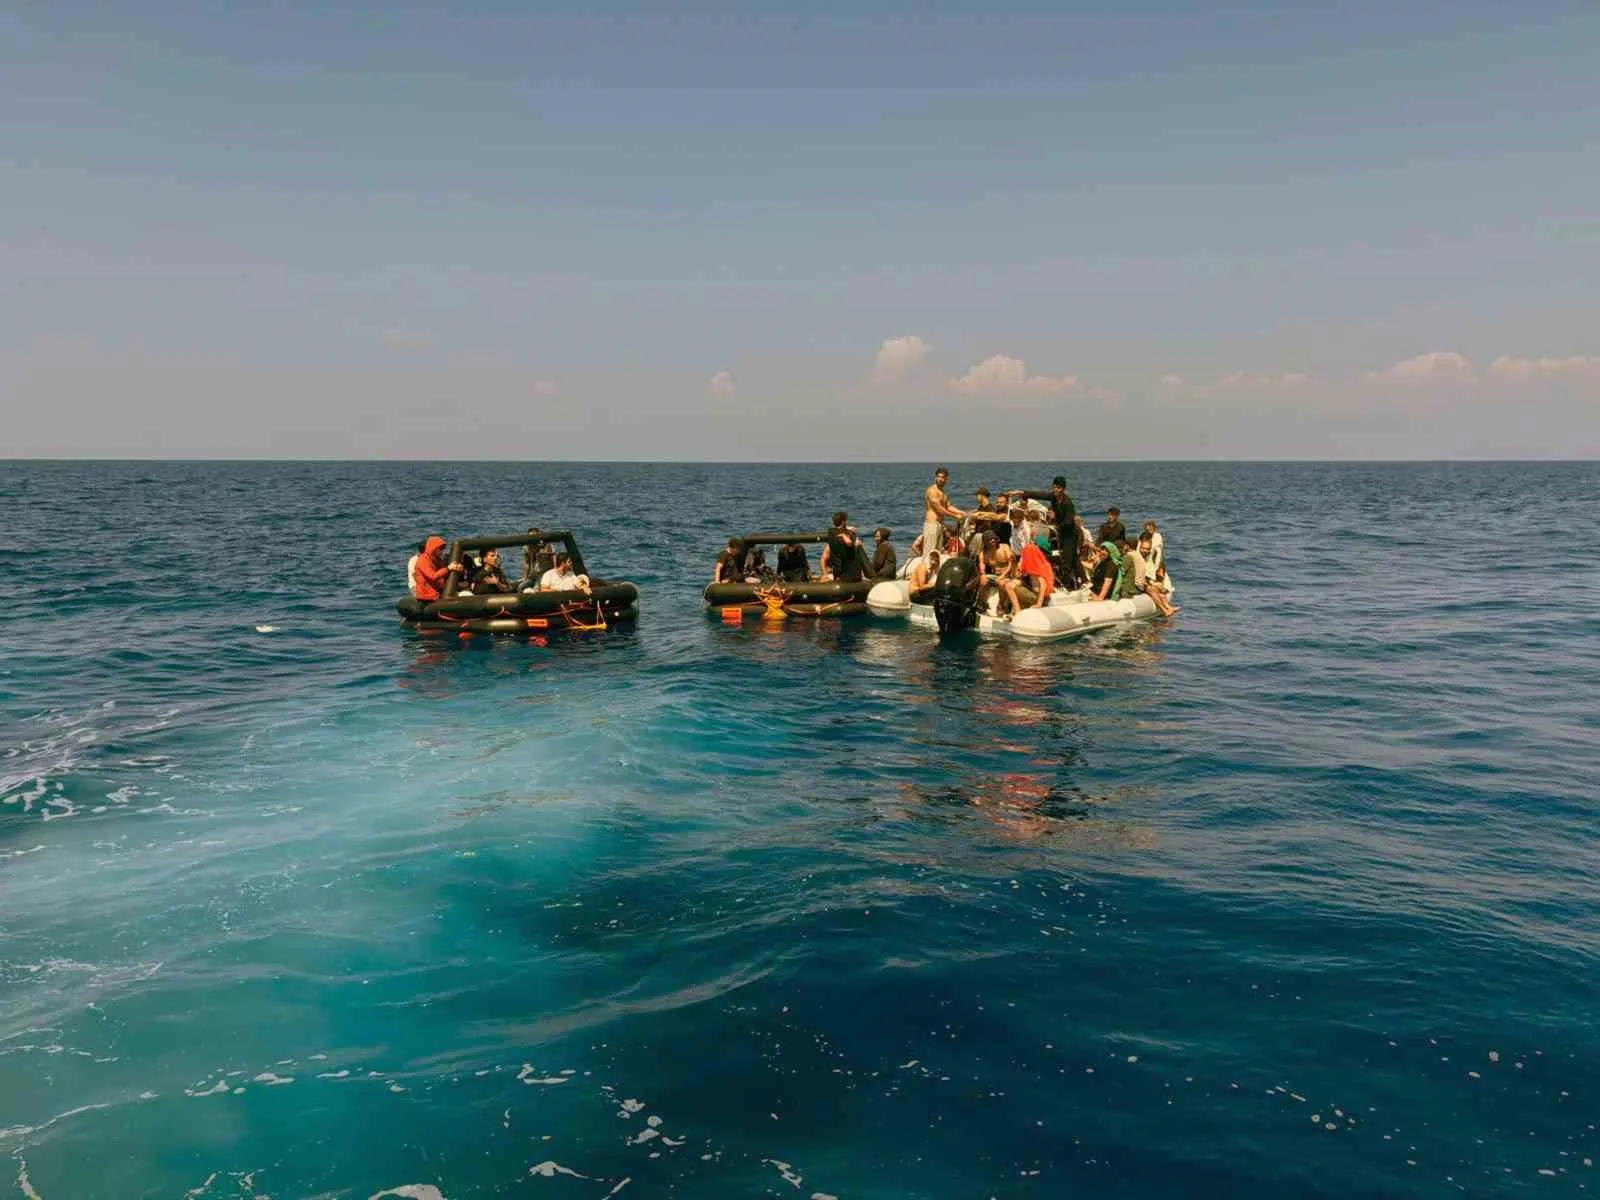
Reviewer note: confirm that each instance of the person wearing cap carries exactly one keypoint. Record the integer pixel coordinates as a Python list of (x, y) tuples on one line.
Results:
[(429, 575)]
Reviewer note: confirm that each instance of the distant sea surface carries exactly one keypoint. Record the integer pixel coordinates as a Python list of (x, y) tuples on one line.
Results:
[(1297, 894)]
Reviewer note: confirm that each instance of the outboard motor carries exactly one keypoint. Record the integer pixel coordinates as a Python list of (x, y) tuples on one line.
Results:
[(955, 594)]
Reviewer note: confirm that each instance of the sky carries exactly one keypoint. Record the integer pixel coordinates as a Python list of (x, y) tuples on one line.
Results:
[(1119, 229)]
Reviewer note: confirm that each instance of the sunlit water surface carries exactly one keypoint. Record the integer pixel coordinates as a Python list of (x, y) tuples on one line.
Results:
[(1294, 895)]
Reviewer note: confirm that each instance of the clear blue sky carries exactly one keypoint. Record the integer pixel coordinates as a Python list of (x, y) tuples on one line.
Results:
[(541, 230)]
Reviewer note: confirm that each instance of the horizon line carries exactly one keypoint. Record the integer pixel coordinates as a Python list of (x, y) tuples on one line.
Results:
[(748, 462)]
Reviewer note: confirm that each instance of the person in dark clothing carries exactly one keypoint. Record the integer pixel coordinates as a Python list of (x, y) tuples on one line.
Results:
[(793, 565), (730, 564), (1112, 530), (490, 577), (883, 556), (842, 555), (1062, 519), (1104, 575)]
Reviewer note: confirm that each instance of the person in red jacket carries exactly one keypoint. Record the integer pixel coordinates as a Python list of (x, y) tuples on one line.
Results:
[(431, 571), (1036, 573)]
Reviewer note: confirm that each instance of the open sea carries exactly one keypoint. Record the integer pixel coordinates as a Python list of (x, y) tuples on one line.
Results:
[(1294, 895)]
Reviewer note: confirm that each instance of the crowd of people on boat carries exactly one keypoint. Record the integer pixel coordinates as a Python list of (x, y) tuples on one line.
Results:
[(1026, 544), (546, 567)]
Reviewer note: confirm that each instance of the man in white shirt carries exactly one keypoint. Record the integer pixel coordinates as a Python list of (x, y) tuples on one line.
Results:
[(1158, 547), (1144, 576), (560, 577), (411, 570)]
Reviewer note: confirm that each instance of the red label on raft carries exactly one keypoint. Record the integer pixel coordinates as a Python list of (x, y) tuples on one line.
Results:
[(733, 616), (538, 623)]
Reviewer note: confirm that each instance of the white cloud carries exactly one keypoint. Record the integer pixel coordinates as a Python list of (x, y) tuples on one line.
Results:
[(1536, 370), (1002, 375), (721, 386), (897, 358), (545, 387), (1437, 366)]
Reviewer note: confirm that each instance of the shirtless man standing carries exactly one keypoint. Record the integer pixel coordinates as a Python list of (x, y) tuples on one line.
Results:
[(935, 508)]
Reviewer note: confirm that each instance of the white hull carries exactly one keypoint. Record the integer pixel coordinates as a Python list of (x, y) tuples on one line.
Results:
[(1068, 614)]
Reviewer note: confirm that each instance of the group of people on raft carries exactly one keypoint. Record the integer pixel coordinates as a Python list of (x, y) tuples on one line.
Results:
[(1023, 552), (844, 559), (543, 569)]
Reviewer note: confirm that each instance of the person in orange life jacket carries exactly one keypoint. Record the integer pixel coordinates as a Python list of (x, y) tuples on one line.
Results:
[(431, 571)]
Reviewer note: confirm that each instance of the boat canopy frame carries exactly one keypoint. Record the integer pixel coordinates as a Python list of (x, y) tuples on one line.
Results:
[(561, 538), (783, 539)]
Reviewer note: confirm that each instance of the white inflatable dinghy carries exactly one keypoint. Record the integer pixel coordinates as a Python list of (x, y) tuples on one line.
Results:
[(1066, 614)]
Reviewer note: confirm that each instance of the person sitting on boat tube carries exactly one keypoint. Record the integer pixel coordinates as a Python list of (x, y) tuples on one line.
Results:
[(1150, 588), (730, 564), (560, 578), (1035, 573), (883, 557), (1100, 571), (429, 575), (490, 576), (999, 565), (793, 565), (923, 574)]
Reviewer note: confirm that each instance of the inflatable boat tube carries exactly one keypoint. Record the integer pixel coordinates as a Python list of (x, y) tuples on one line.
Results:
[(1068, 614), (799, 598), (739, 614), (1075, 619), (526, 610), (613, 597), (891, 598), (721, 595), (527, 626)]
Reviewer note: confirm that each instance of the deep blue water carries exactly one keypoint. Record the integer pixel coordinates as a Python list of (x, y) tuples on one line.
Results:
[(1295, 895)]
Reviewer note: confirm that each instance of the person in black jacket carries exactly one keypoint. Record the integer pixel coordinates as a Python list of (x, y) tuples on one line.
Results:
[(793, 565), (1113, 529), (883, 556), (1062, 518)]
